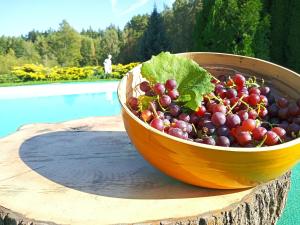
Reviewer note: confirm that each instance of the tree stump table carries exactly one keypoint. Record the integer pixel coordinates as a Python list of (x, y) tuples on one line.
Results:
[(87, 172)]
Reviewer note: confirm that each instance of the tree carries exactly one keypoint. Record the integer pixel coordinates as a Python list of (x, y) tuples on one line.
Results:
[(110, 43), (261, 43), (292, 50), (132, 34), (154, 39), (65, 45), (229, 26), (3, 45), (179, 30), (43, 47), (87, 51), (279, 30)]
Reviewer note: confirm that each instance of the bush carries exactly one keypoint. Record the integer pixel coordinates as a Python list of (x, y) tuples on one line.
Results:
[(9, 78), (32, 72)]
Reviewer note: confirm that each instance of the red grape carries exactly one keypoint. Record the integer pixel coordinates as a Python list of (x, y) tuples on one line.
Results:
[(189, 128), (279, 131), (272, 138), (201, 110), (223, 141), (265, 90), (160, 114), (263, 112), (298, 102), (293, 128), (243, 138), (273, 110), (150, 93), (226, 102), (233, 120), (258, 133), (293, 109), (223, 131), (159, 88), (248, 125), (171, 84), (174, 109), (218, 119), (296, 120), (174, 94), (146, 115), (194, 118), (243, 114), (283, 113), (219, 108), (181, 125), (282, 102), (254, 90), (219, 87), (222, 93), (133, 103), (239, 80), (157, 124), (252, 114), (165, 100), (209, 141), (185, 117), (231, 93), (145, 86), (263, 100), (176, 132), (253, 99)]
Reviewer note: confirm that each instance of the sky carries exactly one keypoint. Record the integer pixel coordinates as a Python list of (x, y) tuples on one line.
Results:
[(18, 17)]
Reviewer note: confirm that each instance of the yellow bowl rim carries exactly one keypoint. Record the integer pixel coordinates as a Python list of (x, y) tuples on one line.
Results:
[(214, 147)]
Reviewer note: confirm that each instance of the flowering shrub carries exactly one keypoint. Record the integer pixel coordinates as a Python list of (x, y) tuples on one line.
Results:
[(32, 72)]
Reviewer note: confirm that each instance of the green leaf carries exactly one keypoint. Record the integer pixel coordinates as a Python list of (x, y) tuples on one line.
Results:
[(144, 102), (193, 81)]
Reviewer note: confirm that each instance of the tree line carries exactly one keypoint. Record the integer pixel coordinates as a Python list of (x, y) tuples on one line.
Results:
[(267, 29)]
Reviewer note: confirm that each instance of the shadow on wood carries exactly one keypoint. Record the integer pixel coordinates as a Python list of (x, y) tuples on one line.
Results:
[(103, 163)]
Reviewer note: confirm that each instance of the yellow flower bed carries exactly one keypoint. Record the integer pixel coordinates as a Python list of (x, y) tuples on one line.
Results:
[(32, 72)]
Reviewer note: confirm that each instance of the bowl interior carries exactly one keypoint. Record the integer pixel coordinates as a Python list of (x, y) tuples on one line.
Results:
[(282, 81)]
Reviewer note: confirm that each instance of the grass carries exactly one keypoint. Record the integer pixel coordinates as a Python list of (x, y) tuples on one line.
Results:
[(53, 82)]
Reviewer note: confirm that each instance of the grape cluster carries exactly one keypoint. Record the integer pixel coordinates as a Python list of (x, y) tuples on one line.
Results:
[(239, 112)]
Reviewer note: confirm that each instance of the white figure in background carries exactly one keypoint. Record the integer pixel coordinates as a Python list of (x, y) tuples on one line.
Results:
[(107, 65)]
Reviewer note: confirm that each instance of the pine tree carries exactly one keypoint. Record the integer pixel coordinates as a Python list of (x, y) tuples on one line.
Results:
[(180, 31), (292, 50), (262, 43), (279, 30), (154, 39), (228, 26)]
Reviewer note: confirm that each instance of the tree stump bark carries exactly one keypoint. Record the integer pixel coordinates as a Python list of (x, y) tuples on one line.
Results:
[(87, 172)]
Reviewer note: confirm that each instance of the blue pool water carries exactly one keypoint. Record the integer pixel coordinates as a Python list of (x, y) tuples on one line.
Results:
[(17, 112)]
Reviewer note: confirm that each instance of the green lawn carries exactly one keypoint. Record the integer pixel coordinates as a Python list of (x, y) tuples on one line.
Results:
[(53, 82)]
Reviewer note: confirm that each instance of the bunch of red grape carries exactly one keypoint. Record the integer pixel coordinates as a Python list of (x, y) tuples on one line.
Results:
[(238, 113)]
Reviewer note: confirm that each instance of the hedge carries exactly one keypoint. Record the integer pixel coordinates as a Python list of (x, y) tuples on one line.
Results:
[(32, 72)]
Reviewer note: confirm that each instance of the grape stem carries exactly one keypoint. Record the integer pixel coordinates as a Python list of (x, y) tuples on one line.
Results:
[(252, 82), (235, 104), (194, 128), (154, 110), (160, 104), (262, 142)]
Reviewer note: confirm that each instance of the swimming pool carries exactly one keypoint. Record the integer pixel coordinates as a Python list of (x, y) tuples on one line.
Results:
[(61, 102), (55, 103)]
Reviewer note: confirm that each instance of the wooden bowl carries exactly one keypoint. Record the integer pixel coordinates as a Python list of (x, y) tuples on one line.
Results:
[(214, 166)]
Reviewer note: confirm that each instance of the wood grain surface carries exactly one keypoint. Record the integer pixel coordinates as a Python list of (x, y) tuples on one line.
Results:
[(87, 172)]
